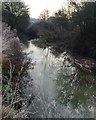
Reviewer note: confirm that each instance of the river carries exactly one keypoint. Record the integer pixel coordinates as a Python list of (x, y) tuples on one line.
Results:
[(60, 89)]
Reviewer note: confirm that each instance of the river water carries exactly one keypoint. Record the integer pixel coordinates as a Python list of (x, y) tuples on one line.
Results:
[(60, 89)]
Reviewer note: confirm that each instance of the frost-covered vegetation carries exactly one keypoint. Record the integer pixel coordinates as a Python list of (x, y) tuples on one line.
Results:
[(55, 92), (15, 65)]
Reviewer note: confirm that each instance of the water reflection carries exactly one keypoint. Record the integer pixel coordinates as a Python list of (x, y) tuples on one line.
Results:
[(60, 88)]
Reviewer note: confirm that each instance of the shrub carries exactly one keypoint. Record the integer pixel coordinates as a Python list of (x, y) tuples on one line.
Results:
[(15, 67)]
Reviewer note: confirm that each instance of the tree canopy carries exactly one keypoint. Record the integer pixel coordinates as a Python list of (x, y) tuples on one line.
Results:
[(75, 27), (44, 15), (15, 14)]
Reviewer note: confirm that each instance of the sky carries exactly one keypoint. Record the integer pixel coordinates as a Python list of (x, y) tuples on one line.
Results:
[(37, 6)]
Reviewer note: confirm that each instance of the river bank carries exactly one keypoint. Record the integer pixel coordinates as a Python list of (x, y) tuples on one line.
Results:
[(85, 63)]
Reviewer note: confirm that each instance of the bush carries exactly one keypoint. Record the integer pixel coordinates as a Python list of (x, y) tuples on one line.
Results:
[(15, 67)]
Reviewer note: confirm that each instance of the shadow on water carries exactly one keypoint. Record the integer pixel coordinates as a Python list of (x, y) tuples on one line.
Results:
[(60, 88)]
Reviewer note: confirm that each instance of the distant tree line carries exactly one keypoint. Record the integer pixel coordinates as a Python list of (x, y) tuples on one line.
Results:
[(71, 29), (74, 28)]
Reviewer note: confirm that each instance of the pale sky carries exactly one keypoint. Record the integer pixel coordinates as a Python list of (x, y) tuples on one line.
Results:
[(37, 6)]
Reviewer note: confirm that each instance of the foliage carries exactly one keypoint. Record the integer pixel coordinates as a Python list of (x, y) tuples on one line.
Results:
[(16, 15), (84, 18), (76, 89), (9, 112), (54, 30), (44, 15), (76, 28), (15, 67)]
